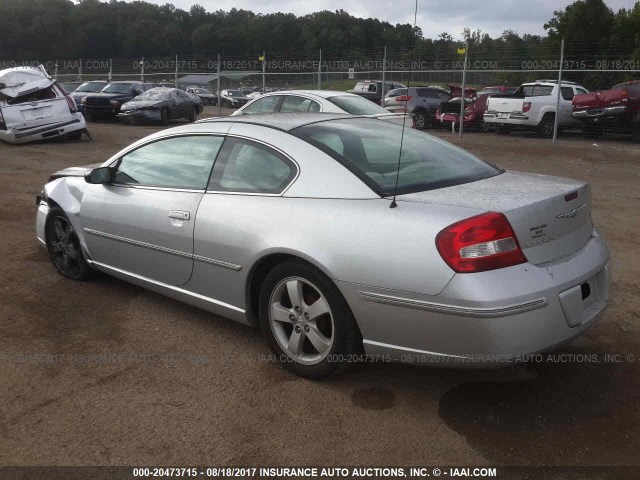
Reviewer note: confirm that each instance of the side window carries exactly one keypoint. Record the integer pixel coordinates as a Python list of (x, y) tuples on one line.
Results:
[(250, 167), (580, 91), (180, 162), (294, 103), (262, 105), (566, 92)]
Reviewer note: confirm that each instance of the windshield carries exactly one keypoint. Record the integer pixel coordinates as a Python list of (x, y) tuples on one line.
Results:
[(370, 149), (357, 105), (117, 87), (235, 93), (91, 87), (154, 94)]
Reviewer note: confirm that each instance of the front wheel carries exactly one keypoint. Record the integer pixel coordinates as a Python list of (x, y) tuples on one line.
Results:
[(64, 247), (193, 115), (306, 321), (164, 117)]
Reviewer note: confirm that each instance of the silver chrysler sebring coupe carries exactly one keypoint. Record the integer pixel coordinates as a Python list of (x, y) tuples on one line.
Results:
[(289, 222)]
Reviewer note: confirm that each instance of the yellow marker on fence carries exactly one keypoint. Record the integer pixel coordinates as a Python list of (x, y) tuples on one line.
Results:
[(461, 51)]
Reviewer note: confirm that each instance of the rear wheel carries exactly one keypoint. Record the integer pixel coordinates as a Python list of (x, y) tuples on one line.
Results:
[(164, 117), (545, 127), (504, 129), (193, 115), (306, 321), (420, 120), (64, 247), (484, 126)]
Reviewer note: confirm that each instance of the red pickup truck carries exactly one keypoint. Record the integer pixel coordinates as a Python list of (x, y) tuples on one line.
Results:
[(616, 110)]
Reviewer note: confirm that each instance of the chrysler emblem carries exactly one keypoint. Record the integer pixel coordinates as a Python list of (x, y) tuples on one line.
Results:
[(571, 213)]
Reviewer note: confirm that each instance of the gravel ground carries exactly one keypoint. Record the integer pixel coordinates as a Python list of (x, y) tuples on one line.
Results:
[(105, 373)]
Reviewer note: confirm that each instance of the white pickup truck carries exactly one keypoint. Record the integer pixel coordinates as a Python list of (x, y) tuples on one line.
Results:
[(533, 105)]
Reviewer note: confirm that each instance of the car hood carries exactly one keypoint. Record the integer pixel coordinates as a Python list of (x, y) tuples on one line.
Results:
[(18, 81), (143, 103), (110, 95), (74, 171)]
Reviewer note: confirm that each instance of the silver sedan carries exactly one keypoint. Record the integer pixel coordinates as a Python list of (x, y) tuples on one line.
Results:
[(337, 240)]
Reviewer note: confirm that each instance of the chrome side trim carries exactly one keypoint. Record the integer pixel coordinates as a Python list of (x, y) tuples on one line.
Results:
[(168, 287), (138, 243), (389, 346), (219, 263), (453, 309), (170, 251)]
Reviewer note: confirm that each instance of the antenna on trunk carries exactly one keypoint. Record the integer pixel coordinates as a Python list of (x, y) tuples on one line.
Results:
[(404, 118)]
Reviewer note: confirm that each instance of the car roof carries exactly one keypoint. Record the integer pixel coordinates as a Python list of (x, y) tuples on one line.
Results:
[(280, 121), (313, 93)]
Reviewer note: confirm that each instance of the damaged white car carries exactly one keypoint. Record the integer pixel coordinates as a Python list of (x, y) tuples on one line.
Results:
[(33, 107)]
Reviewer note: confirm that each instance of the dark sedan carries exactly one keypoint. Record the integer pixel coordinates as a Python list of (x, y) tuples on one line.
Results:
[(160, 105), (107, 102)]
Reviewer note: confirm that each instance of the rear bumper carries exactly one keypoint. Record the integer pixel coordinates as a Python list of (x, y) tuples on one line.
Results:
[(509, 119), (486, 319), (26, 133), (599, 112)]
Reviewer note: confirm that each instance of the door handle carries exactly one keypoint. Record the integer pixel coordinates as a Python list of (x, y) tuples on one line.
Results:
[(179, 214)]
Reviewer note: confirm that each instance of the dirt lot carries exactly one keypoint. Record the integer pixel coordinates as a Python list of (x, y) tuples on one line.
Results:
[(106, 373)]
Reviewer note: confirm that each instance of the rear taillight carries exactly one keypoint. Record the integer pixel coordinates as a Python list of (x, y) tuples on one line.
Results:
[(480, 243), (526, 106), (70, 101), (403, 98)]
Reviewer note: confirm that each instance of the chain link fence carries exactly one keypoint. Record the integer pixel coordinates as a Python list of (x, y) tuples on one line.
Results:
[(341, 70)]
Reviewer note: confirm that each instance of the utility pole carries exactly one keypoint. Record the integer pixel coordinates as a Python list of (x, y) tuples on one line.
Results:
[(218, 80), (142, 69), (464, 86), (176, 75), (557, 115), (264, 66), (320, 71), (110, 69), (384, 71), (80, 70), (55, 74)]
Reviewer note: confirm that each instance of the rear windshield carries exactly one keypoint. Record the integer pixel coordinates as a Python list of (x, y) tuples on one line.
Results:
[(357, 105), (154, 94), (92, 87), (44, 94), (536, 90), (370, 148), (117, 87)]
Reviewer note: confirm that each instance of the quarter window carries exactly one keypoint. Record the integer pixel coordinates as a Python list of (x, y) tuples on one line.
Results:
[(263, 105), (250, 167), (566, 92), (293, 103), (179, 162)]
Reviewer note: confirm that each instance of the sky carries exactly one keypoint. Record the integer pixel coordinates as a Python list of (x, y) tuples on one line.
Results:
[(434, 16)]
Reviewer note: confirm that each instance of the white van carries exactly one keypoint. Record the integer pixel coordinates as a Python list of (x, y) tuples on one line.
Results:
[(33, 107)]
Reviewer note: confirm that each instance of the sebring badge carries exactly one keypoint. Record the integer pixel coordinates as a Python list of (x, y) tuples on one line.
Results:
[(571, 213)]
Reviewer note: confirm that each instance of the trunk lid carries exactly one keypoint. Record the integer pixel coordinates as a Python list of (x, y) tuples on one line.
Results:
[(504, 105), (551, 216)]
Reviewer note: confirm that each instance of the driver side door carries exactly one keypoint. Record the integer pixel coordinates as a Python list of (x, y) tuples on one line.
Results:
[(143, 221)]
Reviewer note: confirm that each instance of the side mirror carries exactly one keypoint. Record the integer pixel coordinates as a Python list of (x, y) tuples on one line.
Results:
[(100, 175)]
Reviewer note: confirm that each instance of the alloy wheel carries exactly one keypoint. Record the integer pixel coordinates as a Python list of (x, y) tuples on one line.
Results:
[(64, 246), (301, 320)]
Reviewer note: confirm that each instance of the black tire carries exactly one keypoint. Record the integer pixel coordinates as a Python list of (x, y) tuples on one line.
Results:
[(420, 120), (545, 127), (64, 247), (344, 331), (193, 115), (164, 116), (89, 117), (592, 130), (484, 126), (74, 135)]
